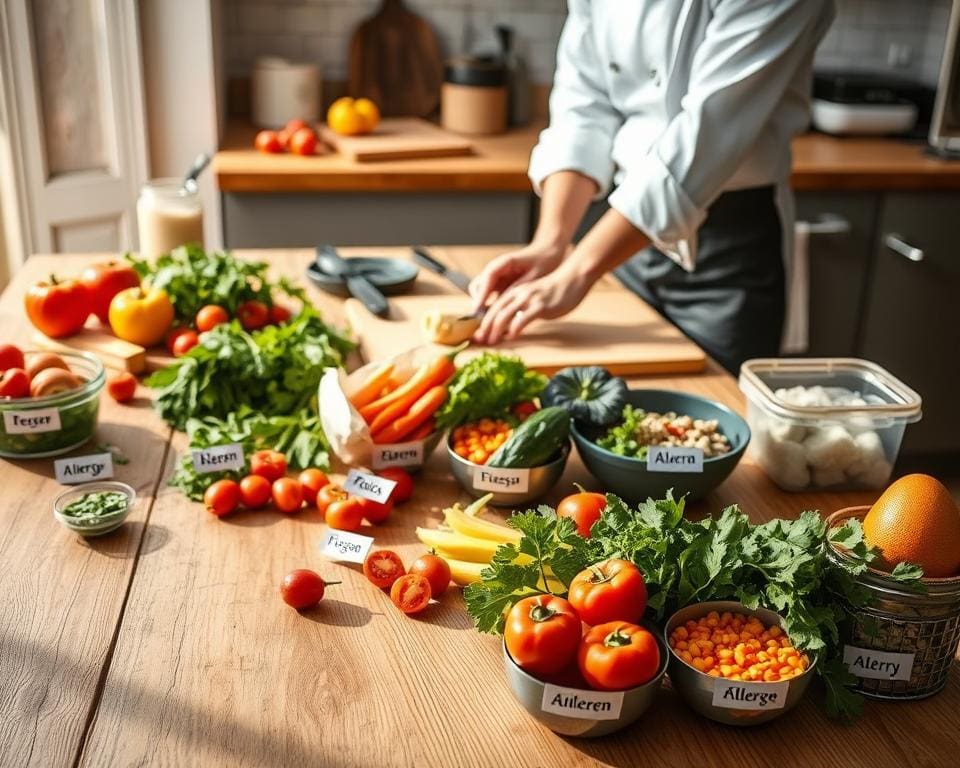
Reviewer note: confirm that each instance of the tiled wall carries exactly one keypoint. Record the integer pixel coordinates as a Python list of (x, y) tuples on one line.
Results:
[(319, 30)]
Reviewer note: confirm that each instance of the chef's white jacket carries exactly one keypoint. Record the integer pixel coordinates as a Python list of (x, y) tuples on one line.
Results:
[(677, 101)]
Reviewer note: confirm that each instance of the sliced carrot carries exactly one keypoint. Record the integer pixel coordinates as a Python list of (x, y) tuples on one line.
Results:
[(373, 386), (424, 407)]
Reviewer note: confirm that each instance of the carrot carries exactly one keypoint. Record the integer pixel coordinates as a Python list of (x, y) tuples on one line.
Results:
[(372, 387), (423, 431), (425, 406), (387, 409)]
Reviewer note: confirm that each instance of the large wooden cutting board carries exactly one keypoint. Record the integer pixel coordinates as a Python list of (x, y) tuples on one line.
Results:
[(398, 138), (612, 328)]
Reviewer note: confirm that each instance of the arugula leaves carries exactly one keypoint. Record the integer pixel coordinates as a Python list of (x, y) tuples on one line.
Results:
[(621, 439)]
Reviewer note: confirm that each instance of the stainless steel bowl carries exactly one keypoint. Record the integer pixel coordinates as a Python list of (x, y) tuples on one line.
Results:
[(539, 480), (633, 702), (697, 688)]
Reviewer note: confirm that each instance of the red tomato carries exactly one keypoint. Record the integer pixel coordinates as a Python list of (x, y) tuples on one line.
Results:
[(210, 316), (404, 483), (295, 125), (14, 383), (222, 497), (58, 308), (374, 511), (279, 314), (613, 590), (312, 481), (253, 315), (10, 357), (255, 491), (434, 569), (345, 514), (185, 342), (542, 634), (584, 509), (287, 494), (173, 334), (269, 464), (411, 593), (524, 410), (122, 387), (329, 494), (618, 655), (303, 588), (383, 567), (268, 141), (103, 281), (303, 142)]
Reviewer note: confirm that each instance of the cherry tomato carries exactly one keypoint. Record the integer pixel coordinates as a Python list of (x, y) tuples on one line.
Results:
[(10, 357), (542, 634), (383, 567), (269, 464), (618, 655), (122, 387), (173, 334), (374, 511), (404, 483), (411, 593), (312, 481), (103, 281), (303, 588), (14, 383), (222, 497), (268, 141), (279, 314), (584, 509), (185, 342), (613, 590), (253, 315), (345, 514), (59, 307), (255, 491), (329, 494), (303, 142), (434, 569), (287, 494), (524, 410), (210, 316), (295, 125)]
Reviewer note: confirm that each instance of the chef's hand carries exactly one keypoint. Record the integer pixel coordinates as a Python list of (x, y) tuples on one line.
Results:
[(514, 268)]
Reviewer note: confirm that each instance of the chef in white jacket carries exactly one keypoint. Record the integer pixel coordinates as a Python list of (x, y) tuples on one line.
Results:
[(685, 109)]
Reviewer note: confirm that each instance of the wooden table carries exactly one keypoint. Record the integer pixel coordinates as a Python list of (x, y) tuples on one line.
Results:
[(166, 643)]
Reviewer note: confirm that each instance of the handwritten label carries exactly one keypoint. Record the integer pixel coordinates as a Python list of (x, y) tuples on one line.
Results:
[(501, 480), (79, 469), (29, 422), (346, 547), (368, 486), (878, 665), (218, 458), (585, 705), (398, 455), (669, 458), (732, 694)]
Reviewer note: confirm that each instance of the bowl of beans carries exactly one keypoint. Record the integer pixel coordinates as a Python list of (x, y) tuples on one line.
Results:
[(735, 665)]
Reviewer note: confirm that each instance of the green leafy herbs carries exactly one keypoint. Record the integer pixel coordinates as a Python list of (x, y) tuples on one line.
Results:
[(93, 507), (622, 438), (489, 386)]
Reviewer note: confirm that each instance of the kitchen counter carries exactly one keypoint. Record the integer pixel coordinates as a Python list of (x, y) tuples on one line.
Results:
[(167, 643)]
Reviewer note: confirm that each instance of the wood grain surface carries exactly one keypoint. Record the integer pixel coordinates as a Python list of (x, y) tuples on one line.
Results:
[(398, 138)]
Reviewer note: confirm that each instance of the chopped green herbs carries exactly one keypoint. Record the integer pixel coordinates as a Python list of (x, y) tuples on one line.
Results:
[(93, 507), (622, 438)]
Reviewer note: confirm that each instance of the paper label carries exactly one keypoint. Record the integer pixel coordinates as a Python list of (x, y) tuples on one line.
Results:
[(28, 422), (733, 694), (218, 458), (368, 486), (878, 665), (669, 458), (501, 480), (585, 705), (398, 455), (345, 546), (79, 469)]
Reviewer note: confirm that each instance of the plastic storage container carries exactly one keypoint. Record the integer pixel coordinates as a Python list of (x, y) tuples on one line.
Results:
[(826, 422)]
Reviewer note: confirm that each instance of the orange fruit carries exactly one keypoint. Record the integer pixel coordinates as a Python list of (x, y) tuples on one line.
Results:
[(916, 521), (343, 118), (369, 113)]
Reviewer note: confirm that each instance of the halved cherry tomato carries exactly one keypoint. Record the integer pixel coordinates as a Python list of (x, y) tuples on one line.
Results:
[(173, 334), (10, 357), (255, 491), (210, 316), (269, 464), (584, 509), (268, 141), (676, 431), (312, 481), (618, 655), (329, 494), (185, 342), (222, 497), (542, 634), (279, 314), (122, 387), (613, 590), (253, 315), (434, 569), (14, 383), (411, 593), (287, 494), (383, 567), (403, 489), (345, 515), (303, 588), (374, 511)]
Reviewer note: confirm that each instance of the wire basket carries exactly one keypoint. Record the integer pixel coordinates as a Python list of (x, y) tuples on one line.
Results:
[(903, 644)]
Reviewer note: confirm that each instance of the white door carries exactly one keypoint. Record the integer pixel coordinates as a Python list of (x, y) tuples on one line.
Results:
[(73, 110)]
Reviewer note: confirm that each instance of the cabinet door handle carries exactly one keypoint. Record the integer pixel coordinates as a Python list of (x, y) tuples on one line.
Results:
[(897, 244), (829, 224)]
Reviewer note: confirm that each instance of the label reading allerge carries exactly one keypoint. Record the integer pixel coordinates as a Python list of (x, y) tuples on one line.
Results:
[(346, 547), (670, 458), (29, 422), (733, 694), (501, 480), (79, 469), (878, 665), (586, 705), (398, 455), (368, 486), (218, 458)]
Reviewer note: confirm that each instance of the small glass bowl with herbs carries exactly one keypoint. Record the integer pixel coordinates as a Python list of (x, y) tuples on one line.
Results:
[(93, 509)]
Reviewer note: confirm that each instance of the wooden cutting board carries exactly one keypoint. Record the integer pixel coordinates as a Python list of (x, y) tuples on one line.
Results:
[(611, 328), (113, 352), (398, 138)]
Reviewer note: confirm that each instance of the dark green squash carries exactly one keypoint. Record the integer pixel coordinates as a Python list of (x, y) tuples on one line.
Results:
[(591, 394), (535, 442)]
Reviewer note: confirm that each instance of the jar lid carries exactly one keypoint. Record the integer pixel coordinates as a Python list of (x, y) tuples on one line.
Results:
[(475, 70)]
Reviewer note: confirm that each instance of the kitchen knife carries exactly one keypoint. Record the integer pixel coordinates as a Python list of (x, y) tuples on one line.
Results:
[(331, 262), (424, 259)]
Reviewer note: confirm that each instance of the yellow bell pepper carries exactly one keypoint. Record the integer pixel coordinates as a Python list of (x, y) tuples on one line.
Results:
[(141, 316)]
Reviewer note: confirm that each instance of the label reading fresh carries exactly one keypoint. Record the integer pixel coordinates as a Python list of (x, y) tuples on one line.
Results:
[(30, 422), (368, 486), (346, 547), (501, 480), (586, 705), (398, 455), (218, 458), (79, 469), (733, 694), (670, 458), (878, 665)]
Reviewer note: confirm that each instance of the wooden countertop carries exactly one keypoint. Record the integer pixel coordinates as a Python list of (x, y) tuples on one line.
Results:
[(166, 643), (499, 164)]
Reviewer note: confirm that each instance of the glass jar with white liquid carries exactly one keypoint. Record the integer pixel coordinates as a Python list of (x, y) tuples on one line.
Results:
[(169, 215)]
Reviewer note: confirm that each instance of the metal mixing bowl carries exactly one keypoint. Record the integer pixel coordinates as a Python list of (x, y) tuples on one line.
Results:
[(541, 479)]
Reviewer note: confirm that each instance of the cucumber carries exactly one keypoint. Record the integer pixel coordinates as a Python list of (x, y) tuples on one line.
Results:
[(536, 441)]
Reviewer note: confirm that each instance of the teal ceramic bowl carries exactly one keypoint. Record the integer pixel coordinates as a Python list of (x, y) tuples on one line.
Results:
[(630, 479)]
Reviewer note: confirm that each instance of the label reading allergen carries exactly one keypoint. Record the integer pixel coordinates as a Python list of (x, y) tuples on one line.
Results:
[(733, 694), (218, 458), (79, 469), (29, 422), (586, 705), (501, 480), (878, 665), (346, 547), (398, 455), (368, 486), (669, 458)]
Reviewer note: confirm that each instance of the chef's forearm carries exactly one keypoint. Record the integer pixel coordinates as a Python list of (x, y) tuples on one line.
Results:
[(566, 196), (609, 243)]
